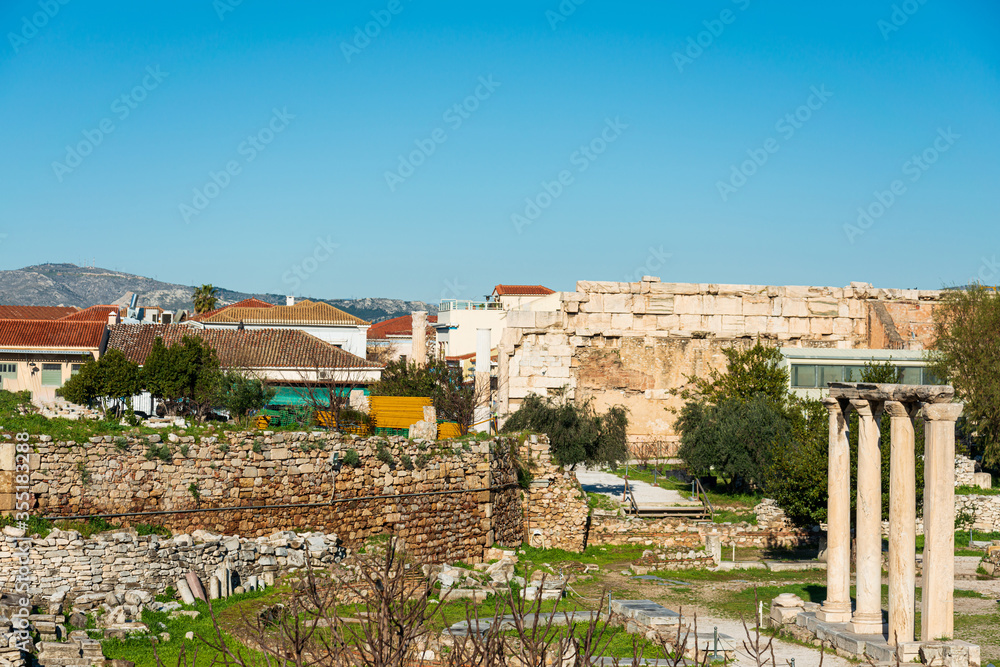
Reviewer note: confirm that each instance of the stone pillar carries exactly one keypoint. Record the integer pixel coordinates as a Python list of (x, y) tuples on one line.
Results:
[(482, 381), (419, 337), (902, 525), (867, 618), (937, 603), (837, 607)]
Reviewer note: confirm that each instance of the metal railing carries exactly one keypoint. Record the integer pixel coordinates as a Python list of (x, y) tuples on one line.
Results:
[(627, 496), (698, 493), (456, 304)]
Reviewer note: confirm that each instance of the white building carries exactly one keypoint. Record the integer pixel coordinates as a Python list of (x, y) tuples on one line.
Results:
[(458, 321)]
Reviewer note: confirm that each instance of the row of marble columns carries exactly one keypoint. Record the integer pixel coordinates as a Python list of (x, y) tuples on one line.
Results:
[(937, 610)]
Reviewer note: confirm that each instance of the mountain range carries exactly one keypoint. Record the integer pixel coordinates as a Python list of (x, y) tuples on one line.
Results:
[(83, 286)]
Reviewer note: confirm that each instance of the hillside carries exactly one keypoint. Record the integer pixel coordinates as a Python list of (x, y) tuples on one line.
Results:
[(71, 285)]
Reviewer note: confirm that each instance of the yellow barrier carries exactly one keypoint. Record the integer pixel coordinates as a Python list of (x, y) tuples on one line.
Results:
[(398, 412), (448, 430)]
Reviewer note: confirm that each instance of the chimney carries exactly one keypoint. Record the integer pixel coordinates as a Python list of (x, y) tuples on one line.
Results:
[(114, 317), (289, 300), (419, 352)]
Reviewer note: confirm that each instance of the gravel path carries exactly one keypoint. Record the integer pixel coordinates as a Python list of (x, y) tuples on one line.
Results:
[(783, 651)]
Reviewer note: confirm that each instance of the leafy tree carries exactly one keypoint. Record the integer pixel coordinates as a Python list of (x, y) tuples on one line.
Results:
[(966, 354), (205, 298), (241, 394), (576, 432), (112, 376), (453, 398), (750, 371), (185, 376), (732, 439)]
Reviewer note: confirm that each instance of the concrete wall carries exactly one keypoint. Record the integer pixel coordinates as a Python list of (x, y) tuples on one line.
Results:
[(631, 344)]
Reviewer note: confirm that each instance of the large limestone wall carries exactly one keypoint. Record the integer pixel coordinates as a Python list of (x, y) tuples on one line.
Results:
[(631, 344), (466, 495)]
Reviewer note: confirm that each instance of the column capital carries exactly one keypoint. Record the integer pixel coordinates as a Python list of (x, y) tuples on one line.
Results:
[(942, 411), (862, 407), (897, 409)]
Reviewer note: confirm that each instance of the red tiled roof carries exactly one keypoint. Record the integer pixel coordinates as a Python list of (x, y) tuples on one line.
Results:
[(51, 334), (36, 312), (246, 348), (304, 312), (398, 326), (92, 314), (252, 302), (522, 290)]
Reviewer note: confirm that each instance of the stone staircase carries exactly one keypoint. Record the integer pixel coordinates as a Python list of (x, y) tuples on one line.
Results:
[(64, 409)]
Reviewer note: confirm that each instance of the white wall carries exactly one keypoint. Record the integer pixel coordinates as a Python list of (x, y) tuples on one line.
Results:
[(462, 340)]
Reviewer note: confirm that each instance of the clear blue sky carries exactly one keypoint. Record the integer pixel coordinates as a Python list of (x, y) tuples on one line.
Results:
[(657, 190)]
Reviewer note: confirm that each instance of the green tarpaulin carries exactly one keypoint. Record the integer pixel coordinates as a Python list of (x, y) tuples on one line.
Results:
[(302, 396)]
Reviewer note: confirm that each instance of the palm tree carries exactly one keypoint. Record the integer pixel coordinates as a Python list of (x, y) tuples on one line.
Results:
[(204, 298)]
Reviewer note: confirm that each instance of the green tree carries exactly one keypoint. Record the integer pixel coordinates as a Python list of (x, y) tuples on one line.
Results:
[(241, 394), (576, 432), (966, 354), (205, 298), (408, 378), (185, 376), (733, 439), (112, 376), (751, 371)]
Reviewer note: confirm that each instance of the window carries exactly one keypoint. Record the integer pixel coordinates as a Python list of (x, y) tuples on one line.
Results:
[(8, 374), (51, 375), (930, 378), (853, 373), (803, 376), (910, 375), (76, 369), (830, 374)]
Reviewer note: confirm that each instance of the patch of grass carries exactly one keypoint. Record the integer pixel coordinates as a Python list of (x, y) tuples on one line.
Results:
[(140, 651), (733, 516), (152, 529), (161, 451), (597, 555), (976, 491), (599, 501), (35, 525), (982, 629), (352, 459)]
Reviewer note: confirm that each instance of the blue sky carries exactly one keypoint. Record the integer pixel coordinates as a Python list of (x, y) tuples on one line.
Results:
[(275, 147)]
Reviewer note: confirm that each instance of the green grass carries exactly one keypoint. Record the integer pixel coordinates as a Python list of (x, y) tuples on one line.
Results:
[(597, 555), (806, 576), (962, 541), (87, 528), (599, 501), (719, 499), (140, 651), (976, 491)]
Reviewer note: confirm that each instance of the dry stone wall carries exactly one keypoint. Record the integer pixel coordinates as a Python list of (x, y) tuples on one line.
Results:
[(555, 510), (631, 344), (612, 528), (447, 500)]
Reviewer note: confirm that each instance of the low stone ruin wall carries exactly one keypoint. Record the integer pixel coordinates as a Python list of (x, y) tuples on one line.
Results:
[(447, 500), (121, 561), (555, 511), (612, 528)]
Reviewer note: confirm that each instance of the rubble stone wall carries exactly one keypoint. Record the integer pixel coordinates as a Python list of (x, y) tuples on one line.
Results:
[(555, 509), (436, 496), (611, 528), (631, 344)]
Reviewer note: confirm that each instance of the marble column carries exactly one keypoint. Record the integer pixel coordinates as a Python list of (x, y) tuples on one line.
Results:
[(837, 607), (867, 618), (902, 524), (937, 603), (418, 351)]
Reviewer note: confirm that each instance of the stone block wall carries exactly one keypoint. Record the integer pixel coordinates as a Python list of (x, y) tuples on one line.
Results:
[(555, 507), (611, 528), (458, 499), (631, 344)]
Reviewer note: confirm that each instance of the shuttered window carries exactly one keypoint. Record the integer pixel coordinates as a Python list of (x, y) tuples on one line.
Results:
[(8, 375), (51, 375)]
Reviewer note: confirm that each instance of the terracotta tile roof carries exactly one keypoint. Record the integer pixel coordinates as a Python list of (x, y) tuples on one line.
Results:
[(51, 334), (36, 312), (522, 290), (303, 312), (248, 348), (245, 303), (92, 314), (398, 326)]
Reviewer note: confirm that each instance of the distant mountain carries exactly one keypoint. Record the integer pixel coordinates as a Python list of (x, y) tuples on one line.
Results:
[(71, 285)]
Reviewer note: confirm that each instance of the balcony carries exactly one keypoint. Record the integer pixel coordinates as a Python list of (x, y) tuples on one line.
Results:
[(456, 304)]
